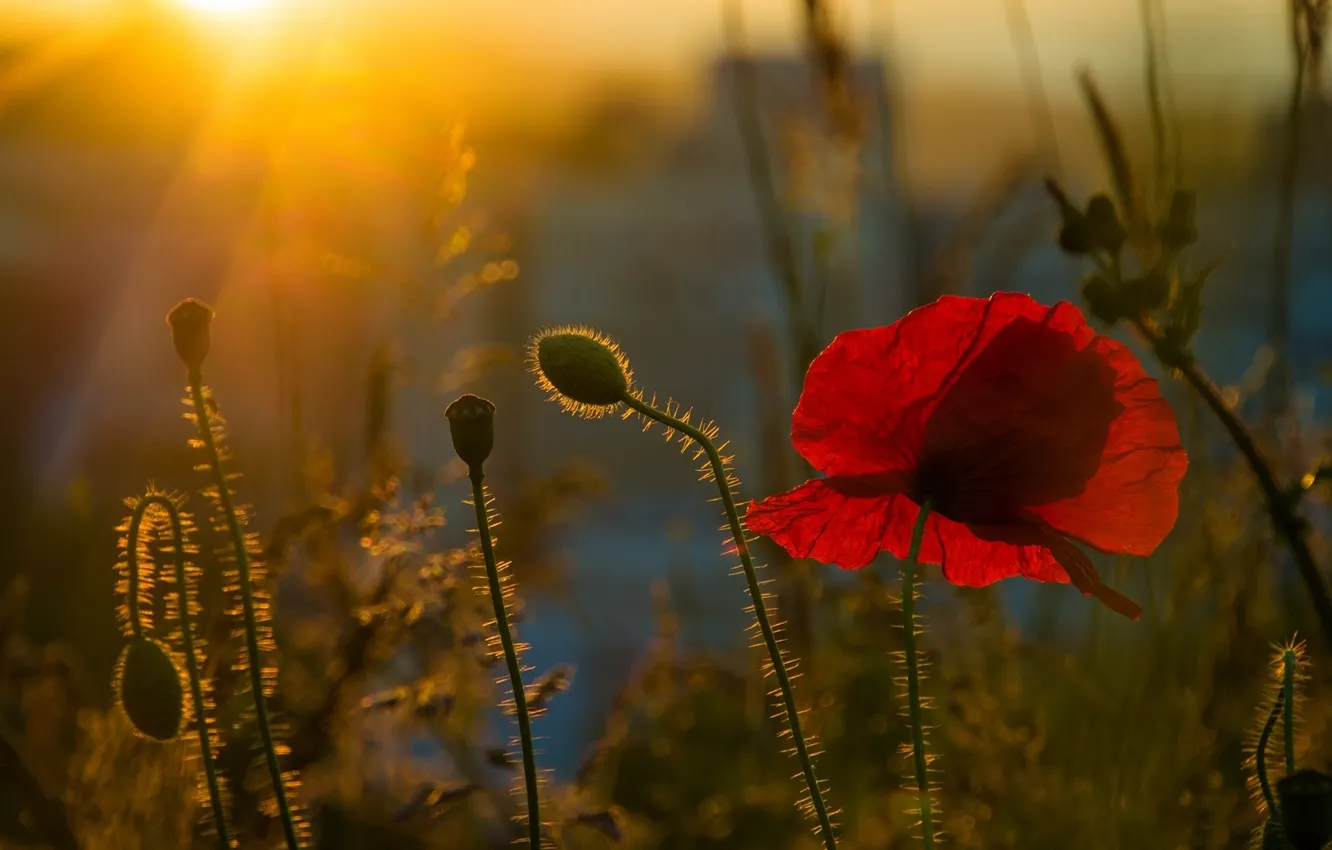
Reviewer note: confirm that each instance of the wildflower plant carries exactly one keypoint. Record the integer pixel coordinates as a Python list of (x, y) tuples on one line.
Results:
[(983, 435), (190, 323), (588, 375), (156, 694), (472, 428)]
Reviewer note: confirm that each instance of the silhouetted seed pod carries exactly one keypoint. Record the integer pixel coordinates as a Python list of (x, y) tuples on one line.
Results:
[(148, 688), (472, 427), (190, 321)]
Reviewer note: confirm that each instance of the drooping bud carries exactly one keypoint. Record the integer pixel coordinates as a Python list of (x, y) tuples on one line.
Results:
[(581, 369), (472, 427), (190, 321), (148, 688), (1305, 800)]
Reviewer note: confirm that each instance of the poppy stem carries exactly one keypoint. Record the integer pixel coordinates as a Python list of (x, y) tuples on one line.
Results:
[(1260, 751), (1287, 520), (158, 502), (775, 654), (919, 759), (510, 657), (1288, 664), (240, 550)]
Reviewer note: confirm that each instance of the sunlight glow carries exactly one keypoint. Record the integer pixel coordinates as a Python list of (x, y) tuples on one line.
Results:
[(227, 7)]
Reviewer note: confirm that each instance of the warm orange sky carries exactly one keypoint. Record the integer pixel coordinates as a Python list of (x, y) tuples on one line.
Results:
[(1231, 46)]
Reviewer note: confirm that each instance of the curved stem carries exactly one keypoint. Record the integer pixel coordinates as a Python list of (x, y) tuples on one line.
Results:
[(202, 418), (760, 610), (510, 658), (1260, 752), (158, 500), (132, 565), (1288, 523), (913, 676)]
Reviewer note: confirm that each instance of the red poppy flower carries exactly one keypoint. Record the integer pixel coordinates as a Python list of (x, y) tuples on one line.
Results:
[(1024, 429)]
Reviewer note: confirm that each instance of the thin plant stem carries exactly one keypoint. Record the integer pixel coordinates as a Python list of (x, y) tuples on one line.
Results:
[(1152, 81), (510, 658), (1033, 84), (920, 763), (760, 609), (1278, 396), (1288, 709), (1289, 524), (1260, 752), (187, 641), (224, 500)]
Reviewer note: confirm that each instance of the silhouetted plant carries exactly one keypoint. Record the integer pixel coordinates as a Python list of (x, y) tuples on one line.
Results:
[(588, 375), (149, 677), (190, 323)]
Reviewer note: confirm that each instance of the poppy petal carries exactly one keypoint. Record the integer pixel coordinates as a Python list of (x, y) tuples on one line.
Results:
[(832, 523), (867, 395), (1132, 502), (1025, 423), (975, 556), (839, 521)]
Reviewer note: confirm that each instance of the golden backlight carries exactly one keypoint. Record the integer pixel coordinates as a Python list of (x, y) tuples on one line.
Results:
[(227, 7)]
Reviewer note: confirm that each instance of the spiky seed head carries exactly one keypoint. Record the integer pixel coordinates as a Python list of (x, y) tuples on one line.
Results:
[(1306, 808), (148, 688), (582, 369), (472, 427), (190, 321)]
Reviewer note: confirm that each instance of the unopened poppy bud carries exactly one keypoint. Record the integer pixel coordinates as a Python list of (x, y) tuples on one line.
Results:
[(1178, 231), (581, 369), (1103, 228), (1103, 299), (190, 321), (1306, 808), (149, 689), (472, 427)]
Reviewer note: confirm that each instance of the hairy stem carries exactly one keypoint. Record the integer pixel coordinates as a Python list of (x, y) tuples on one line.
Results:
[(920, 763), (510, 658), (760, 609), (1289, 524), (1288, 708), (1260, 752), (202, 420), (187, 641)]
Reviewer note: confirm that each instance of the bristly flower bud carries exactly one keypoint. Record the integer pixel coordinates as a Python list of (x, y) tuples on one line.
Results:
[(190, 321), (472, 427), (581, 369), (1306, 808), (149, 689), (1178, 231)]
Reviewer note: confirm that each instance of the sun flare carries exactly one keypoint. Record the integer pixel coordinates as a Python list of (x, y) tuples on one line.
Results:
[(227, 7)]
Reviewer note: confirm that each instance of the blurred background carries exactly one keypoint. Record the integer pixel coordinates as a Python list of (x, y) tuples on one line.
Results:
[(383, 200)]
